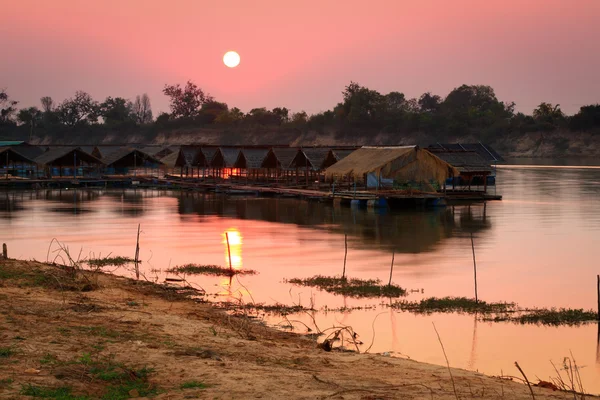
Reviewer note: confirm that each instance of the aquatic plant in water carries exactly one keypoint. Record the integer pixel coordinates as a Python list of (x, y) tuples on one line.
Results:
[(216, 270), (352, 287)]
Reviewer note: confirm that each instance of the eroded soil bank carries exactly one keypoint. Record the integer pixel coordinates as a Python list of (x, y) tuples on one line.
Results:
[(65, 335)]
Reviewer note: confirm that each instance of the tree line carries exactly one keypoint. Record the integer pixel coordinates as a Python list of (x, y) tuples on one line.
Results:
[(466, 110)]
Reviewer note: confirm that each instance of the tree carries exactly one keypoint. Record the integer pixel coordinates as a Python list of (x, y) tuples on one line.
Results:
[(80, 109), (142, 110), (362, 106), (281, 115), (232, 116), (211, 110), (7, 108), (47, 104), (300, 118), (162, 119), (115, 111), (546, 112), (31, 117), (429, 103), (186, 102), (261, 116), (587, 118), (475, 108)]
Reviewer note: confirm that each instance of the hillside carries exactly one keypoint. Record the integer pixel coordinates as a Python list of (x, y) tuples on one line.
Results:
[(556, 144)]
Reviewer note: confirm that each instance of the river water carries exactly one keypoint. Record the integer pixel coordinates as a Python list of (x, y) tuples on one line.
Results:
[(537, 247)]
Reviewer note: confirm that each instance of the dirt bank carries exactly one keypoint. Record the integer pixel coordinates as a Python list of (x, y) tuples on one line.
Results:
[(101, 336)]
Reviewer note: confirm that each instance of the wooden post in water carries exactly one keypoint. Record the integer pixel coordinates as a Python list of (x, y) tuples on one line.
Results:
[(345, 255), (392, 267), (598, 277), (474, 267), (228, 251), (4, 251), (137, 255)]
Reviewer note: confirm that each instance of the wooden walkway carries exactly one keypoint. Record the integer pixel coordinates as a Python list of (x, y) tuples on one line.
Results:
[(360, 198)]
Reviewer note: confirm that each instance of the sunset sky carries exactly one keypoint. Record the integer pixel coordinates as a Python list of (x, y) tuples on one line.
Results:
[(301, 54)]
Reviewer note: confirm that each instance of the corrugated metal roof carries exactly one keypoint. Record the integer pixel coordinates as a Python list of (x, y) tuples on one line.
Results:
[(464, 161), (4, 143), (484, 150)]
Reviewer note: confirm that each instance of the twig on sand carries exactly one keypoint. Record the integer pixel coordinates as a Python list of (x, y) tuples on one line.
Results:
[(526, 380), (447, 362)]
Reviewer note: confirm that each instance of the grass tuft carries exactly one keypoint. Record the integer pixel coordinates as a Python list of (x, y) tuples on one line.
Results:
[(351, 287), (116, 261), (6, 352), (554, 317), (60, 393), (216, 270), (192, 385), (453, 304)]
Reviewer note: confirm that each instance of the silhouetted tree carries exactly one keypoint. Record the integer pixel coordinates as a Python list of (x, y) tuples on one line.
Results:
[(80, 109), (31, 117), (211, 110), (142, 110), (7, 108), (186, 102), (281, 115), (116, 111), (47, 104), (587, 118)]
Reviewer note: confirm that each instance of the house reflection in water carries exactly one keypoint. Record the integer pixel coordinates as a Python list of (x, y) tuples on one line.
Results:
[(406, 231)]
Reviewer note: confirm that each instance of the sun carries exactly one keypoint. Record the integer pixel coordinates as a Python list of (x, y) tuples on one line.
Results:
[(231, 59)]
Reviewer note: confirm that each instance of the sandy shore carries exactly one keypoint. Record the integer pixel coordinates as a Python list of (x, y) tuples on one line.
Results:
[(104, 336)]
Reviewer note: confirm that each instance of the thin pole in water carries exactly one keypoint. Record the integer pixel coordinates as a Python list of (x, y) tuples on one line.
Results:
[(137, 255), (228, 251), (474, 267), (598, 277), (392, 267), (345, 255)]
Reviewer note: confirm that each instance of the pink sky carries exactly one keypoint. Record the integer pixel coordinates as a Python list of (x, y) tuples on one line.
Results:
[(301, 53)]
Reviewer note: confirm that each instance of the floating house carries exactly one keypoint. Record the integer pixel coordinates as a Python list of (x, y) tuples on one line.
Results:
[(394, 167), (125, 159), (69, 161), (15, 163), (473, 168), (250, 161)]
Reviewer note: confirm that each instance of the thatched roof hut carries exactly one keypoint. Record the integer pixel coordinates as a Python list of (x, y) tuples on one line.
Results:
[(400, 163), (126, 157), (157, 151), (225, 157), (209, 154), (335, 155), (310, 157), (279, 158), (251, 158), (66, 157), (9, 155)]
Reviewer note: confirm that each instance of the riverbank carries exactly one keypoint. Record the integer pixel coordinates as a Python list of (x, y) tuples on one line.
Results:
[(94, 335)]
